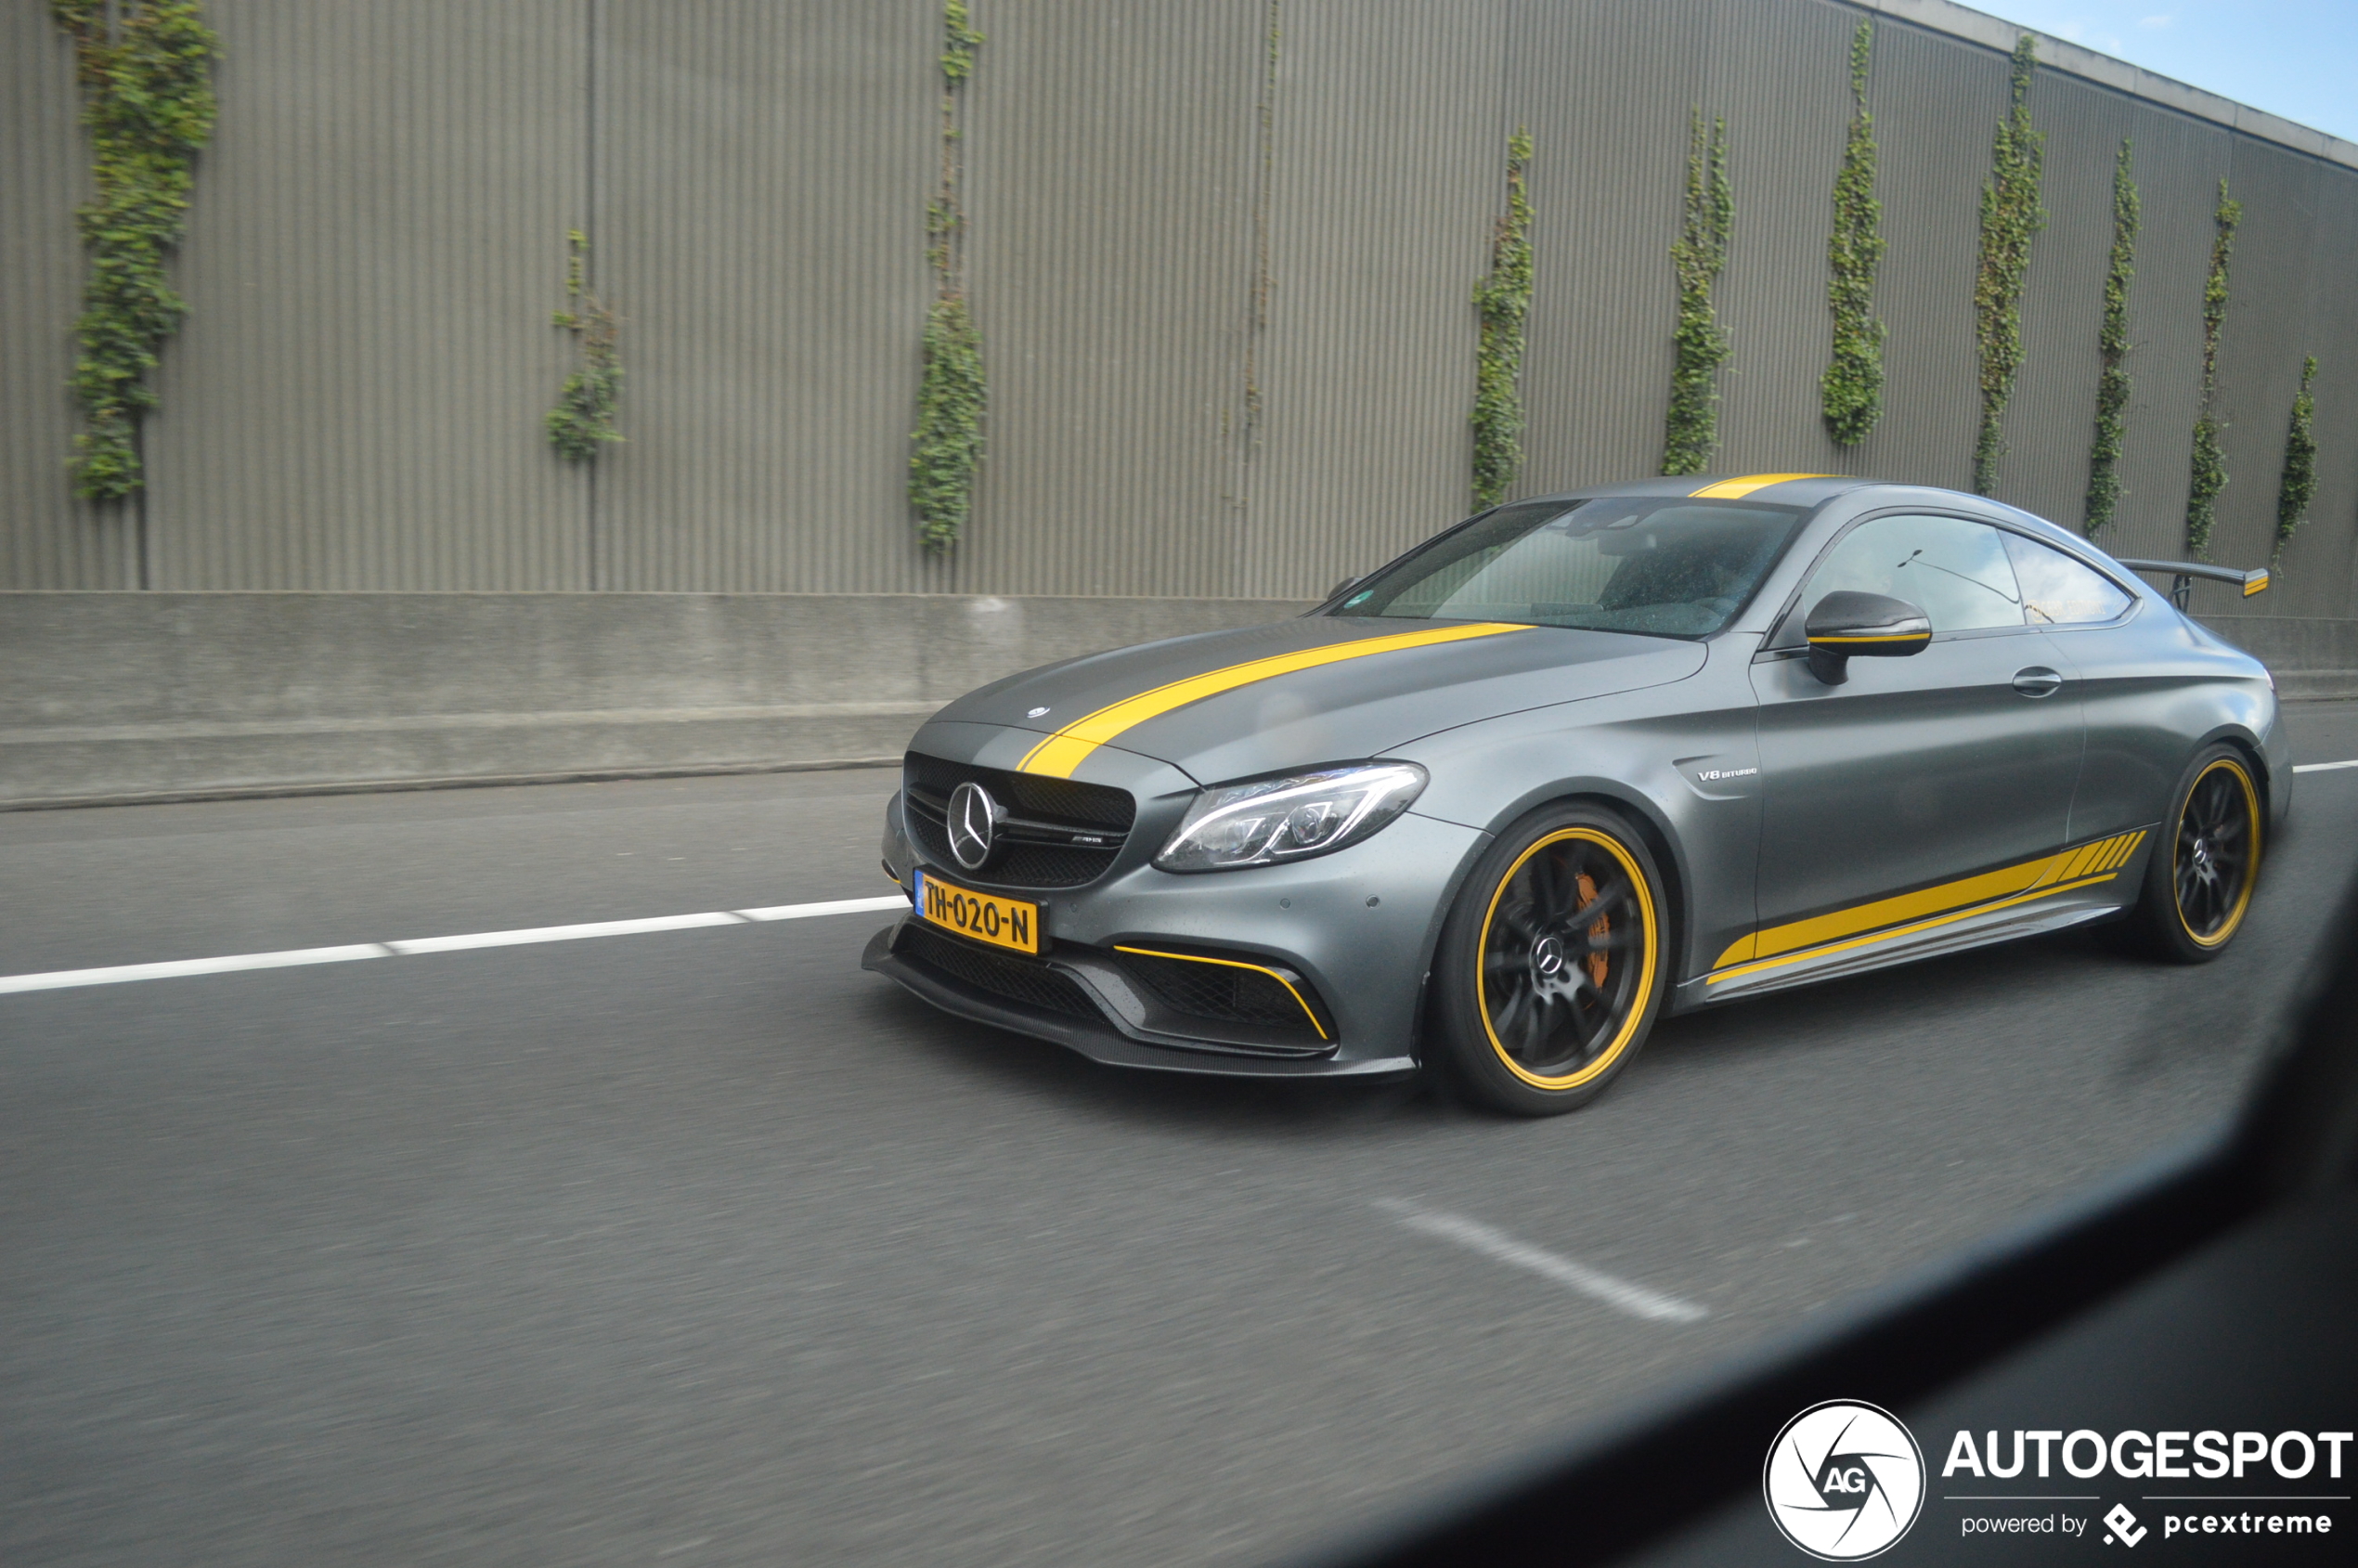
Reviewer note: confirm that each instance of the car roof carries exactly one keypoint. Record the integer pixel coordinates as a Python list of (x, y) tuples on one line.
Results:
[(1809, 491), (1784, 490)]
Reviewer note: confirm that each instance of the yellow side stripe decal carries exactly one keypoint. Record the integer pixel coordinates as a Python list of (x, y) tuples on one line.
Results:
[(1232, 964), (1934, 924), (2083, 860), (1731, 489), (1057, 756), (2104, 854), (2257, 583)]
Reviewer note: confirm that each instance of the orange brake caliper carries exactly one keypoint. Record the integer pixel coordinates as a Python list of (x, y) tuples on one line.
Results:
[(1596, 961)]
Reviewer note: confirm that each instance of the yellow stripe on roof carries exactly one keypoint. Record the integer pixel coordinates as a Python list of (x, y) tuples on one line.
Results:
[(1731, 489), (1057, 756)]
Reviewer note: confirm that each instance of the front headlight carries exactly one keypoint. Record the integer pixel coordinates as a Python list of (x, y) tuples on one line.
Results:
[(1289, 819)]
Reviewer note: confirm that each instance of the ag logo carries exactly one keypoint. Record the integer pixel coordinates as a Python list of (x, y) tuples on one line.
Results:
[(1843, 1481)]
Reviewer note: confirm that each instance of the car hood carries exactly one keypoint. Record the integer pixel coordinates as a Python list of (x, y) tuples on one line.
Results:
[(1316, 688)]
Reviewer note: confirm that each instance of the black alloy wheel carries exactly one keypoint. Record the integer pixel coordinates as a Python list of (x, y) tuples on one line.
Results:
[(1553, 965), (2213, 857), (2203, 869)]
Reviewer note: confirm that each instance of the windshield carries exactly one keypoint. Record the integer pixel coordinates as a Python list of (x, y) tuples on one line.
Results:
[(1666, 567)]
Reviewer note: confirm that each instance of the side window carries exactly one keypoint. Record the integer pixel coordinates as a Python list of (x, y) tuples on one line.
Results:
[(1956, 571), (2057, 591)]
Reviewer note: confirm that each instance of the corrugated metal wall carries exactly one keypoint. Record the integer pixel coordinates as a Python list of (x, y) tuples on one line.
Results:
[(47, 539), (1225, 301), (762, 168), (375, 243), (1378, 223), (1111, 162)]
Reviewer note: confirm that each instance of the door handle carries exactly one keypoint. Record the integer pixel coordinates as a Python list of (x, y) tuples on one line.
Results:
[(2038, 681)]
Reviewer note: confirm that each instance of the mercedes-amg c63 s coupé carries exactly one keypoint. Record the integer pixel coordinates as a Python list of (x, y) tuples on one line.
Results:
[(1577, 761)]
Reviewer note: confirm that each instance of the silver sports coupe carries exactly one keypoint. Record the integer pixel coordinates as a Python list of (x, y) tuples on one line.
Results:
[(1576, 762)]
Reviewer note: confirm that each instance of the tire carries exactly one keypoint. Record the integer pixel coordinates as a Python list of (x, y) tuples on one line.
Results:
[(1538, 1006), (2205, 861)]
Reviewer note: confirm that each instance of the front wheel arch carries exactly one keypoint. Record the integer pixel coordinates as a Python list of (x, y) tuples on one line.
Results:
[(1577, 1035), (1642, 815)]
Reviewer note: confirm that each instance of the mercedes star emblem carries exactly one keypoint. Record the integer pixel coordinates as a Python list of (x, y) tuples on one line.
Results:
[(974, 825)]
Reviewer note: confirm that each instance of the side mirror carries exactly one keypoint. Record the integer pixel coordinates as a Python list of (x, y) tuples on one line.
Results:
[(1846, 625)]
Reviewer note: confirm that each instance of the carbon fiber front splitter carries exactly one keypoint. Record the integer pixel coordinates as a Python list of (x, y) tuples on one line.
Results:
[(1100, 1039)]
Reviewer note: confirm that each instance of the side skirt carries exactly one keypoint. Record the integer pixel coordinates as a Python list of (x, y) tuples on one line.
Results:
[(2073, 906)]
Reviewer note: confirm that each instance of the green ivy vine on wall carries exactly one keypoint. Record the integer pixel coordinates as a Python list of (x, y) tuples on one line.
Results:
[(1263, 281), (1503, 298), (2010, 216), (1851, 390), (947, 444), (2207, 469), (150, 108), (2298, 485), (586, 404), (1690, 429), (2112, 348)]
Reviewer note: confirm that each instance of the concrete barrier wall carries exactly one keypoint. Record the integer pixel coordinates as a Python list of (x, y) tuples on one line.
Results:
[(115, 696), (146, 695)]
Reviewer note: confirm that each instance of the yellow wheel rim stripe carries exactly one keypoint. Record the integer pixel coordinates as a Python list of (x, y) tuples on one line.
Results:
[(2251, 862), (1612, 1053)]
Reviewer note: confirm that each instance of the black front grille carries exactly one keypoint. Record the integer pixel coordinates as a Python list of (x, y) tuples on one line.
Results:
[(1059, 834), (1224, 993), (1018, 980)]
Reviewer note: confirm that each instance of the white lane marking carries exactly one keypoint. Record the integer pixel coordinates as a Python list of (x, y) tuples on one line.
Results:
[(2323, 767), (1498, 1245), (58, 979), (840, 906), (416, 945), (118, 974)]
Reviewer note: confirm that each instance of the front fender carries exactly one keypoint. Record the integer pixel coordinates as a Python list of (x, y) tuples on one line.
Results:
[(1651, 755)]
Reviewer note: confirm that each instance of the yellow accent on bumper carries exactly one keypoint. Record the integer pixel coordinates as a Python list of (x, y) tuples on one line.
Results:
[(1233, 963)]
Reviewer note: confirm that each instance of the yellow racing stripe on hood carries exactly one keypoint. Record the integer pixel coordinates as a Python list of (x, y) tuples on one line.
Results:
[(1057, 756), (1732, 490)]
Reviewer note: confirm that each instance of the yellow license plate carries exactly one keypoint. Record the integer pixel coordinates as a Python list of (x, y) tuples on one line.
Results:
[(1008, 923)]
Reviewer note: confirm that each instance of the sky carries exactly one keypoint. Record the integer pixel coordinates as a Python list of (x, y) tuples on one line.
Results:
[(2294, 57)]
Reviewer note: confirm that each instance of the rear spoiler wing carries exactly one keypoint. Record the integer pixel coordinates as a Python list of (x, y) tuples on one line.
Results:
[(2184, 573)]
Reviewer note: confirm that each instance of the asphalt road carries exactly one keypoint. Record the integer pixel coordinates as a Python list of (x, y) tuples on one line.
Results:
[(706, 1248)]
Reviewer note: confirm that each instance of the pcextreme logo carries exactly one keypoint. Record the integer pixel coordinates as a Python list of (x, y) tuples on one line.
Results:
[(1843, 1481)]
